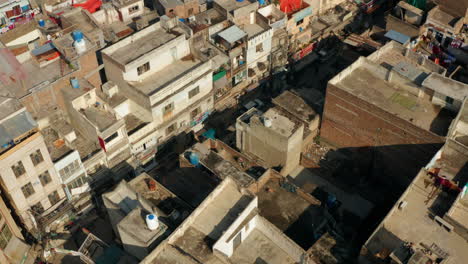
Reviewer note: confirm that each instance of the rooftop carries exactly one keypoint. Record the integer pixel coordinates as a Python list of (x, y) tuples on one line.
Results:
[(391, 94), (440, 16), (455, 7), (159, 196), (55, 145), (20, 30), (231, 5), (253, 29), (272, 118), (232, 34), (140, 43), (293, 212), (206, 19), (256, 247), (416, 223), (222, 162), (195, 237), (446, 86), (14, 126), (164, 77), (295, 105)]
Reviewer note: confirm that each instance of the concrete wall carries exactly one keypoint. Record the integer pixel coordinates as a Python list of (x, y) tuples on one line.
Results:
[(24, 39), (11, 185), (225, 243), (125, 14), (271, 147), (265, 39)]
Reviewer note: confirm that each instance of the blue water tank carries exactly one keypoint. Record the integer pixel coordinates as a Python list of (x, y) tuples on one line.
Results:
[(194, 159), (41, 22), (240, 0), (75, 83), (261, 2), (77, 35), (181, 20)]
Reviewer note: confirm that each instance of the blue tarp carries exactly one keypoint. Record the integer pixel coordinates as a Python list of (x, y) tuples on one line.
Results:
[(397, 36), (210, 133)]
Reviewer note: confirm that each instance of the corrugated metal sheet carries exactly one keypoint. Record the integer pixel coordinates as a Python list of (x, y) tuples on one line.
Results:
[(15, 127), (232, 34), (397, 36)]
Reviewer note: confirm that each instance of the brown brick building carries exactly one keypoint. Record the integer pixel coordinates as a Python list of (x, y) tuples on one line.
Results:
[(378, 106)]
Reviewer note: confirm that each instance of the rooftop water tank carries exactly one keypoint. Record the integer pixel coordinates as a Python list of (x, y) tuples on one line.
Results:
[(267, 122), (194, 159), (152, 222), (75, 83), (79, 44), (41, 22)]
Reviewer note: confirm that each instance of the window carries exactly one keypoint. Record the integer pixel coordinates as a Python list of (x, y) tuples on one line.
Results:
[(53, 198), (195, 113), (78, 182), (69, 170), (194, 92), (5, 236), (259, 47), (45, 178), (143, 68), (111, 137), (168, 108), (449, 100), (299, 22), (28, 190), (37, 208), (133, 9), (171, 129), (36, 157), (18, 169)]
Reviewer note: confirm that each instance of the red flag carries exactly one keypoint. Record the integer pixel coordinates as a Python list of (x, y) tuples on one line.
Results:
[(102, 143)]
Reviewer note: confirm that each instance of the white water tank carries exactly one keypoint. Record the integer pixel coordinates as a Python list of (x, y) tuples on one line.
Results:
[(152, 222), (79, 42), (267, 122)]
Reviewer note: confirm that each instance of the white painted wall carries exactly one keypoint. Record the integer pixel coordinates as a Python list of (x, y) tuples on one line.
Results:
[(226, 246), (12, 185), (264, 38), (158, 59), (24, 39), (66, 161), (126, 16)]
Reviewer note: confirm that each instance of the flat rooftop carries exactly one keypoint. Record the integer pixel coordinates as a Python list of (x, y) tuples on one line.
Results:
[(160, 197), (253, 29), (442, 17), (164, 77), (387, 95), (8, 105), (415, 223), (231, 5), (222, 164), (197, 237), (140, 43), (295, 105), (256, 247), (101, 118), (288, 211), (135, 226), (55, 145)]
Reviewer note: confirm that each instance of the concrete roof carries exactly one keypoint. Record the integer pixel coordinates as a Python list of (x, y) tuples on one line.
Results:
[(140, 43), (446, 86), (367, 81), (280, 123), (295, 105), (259, 246), (443, 17), (15, 126), (164, 77), (414, 223), (397, 36), (171, 3), (135, 226), (51, 138), (456, 7), (205, 226), (232, 34), (231, 5), (18, 32)]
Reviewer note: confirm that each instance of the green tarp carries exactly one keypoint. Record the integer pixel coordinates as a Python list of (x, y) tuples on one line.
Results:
[(421, 4), (218, 75)]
